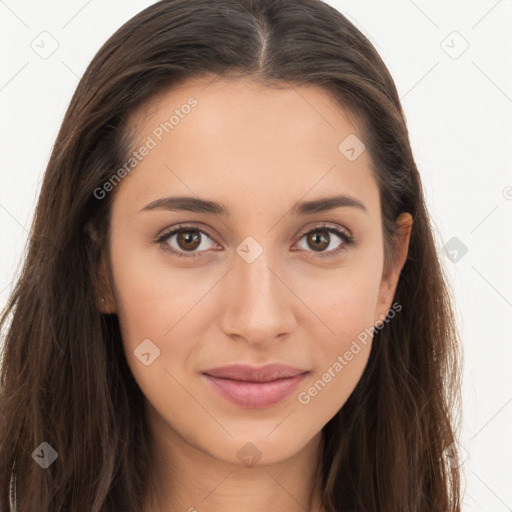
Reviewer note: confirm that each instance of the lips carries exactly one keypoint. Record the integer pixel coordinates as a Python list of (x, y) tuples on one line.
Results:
[(256, 388), (243, 372)]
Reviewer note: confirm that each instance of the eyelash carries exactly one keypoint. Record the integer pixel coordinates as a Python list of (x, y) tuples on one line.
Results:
[(348, 240)]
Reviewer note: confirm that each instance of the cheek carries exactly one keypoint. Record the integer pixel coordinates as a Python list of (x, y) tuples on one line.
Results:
[(340, 356), (155, 306), (343, 301), (343, 338), (151, 297), (168, 306)]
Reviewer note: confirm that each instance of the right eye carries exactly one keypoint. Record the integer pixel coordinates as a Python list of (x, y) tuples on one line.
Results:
[(186, 240)]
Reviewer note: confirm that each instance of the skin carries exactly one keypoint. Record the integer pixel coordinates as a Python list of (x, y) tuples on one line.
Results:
[(258, 151)]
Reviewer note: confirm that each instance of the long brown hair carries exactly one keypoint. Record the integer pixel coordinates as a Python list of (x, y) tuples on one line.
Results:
[(64, 376)]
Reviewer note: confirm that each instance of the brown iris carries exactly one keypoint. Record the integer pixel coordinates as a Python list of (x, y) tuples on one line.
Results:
[(189, 237), (316, 238)]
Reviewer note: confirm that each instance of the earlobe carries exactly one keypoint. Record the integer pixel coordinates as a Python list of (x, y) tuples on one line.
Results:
[(105, 301), (104, 306)]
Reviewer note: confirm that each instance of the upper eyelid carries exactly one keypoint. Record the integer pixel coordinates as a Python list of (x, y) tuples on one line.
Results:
[(168, 232)]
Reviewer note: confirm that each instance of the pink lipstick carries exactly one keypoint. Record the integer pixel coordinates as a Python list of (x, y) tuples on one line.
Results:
[(252, 387)]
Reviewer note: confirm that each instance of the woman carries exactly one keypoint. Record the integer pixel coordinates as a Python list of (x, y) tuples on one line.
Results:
[(232, 299)]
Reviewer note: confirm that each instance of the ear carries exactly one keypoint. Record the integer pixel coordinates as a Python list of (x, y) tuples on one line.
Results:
[(389, 281), (105, 300)]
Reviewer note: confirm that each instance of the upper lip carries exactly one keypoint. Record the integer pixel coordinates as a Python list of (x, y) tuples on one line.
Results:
[(249, 373)]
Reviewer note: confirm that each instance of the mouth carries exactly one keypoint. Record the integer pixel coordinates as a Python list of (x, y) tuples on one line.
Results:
[(248, 392)]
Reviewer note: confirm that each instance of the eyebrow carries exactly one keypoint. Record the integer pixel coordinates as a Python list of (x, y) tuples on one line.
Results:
[(196, 205)]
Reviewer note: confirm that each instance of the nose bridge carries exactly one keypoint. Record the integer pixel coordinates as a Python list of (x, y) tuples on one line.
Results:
[(258, 307), (252, 270)]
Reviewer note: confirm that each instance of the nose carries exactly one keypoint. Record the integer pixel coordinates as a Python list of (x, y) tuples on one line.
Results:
[(259, 304)]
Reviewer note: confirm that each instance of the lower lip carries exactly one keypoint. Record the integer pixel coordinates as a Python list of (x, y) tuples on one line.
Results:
[(255, 395)]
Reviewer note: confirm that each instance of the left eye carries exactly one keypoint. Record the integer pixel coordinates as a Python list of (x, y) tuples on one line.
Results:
[(190, 243), (323, 242)]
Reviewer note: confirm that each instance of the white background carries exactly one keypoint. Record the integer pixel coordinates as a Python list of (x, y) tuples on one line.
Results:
[(459, 113)]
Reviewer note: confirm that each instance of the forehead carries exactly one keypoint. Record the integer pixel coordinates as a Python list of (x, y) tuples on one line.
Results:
[(239, 140), (237, 108)]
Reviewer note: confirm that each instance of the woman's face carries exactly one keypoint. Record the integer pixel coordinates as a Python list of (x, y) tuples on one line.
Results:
[(257, 277)]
